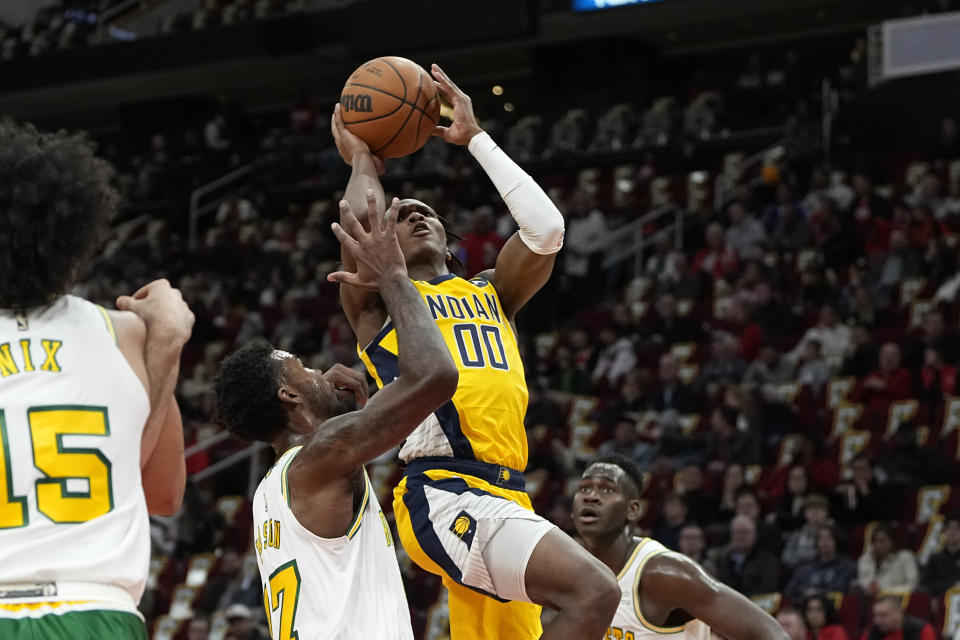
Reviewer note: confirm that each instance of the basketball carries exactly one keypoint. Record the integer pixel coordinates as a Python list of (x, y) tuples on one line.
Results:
[(391, 104)]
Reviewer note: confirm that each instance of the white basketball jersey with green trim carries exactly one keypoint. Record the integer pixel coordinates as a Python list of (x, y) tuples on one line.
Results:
[(72, 413), (629, 623), (327, 588)]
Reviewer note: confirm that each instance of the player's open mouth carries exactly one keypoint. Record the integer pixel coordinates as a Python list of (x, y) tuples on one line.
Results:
[(421, 229), (588, 516)]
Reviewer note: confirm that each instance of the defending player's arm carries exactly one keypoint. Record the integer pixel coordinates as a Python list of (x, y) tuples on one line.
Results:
[(674, 581), (364, 309), (428, 376), (151, 338), (526, 260)]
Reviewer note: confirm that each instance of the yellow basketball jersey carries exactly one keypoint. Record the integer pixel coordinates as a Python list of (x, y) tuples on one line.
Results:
[(484, 420)]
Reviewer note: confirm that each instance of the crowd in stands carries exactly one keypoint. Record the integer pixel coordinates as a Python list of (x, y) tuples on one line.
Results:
[(785, 375)]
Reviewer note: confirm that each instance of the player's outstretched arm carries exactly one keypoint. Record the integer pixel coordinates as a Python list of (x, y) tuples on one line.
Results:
[(526, 260), (152, 327), (363, 309), (673, 581), (427, 375)]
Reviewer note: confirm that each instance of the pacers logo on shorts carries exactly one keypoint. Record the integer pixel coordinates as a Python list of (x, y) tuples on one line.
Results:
[(464, 527)]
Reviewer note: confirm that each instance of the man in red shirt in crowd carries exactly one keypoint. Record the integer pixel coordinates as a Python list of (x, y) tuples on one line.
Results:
[(891, 381), (890, 623)]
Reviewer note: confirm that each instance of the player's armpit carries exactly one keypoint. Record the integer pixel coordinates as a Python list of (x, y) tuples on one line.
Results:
[(671, 581), (519, 274)]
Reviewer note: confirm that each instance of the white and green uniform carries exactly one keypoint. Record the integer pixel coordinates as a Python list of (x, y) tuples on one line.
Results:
[(629, 622), (74, 533), (327, 588)]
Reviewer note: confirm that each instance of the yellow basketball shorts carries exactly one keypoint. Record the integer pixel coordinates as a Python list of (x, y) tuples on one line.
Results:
[(472, 524)]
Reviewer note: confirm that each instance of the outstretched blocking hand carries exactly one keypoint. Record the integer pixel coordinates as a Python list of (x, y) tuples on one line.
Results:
[(377, 252), (350, 145), (464, 125)]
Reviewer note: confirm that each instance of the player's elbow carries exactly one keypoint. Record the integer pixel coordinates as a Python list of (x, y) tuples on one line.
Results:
[(166, 502), (441, 383)]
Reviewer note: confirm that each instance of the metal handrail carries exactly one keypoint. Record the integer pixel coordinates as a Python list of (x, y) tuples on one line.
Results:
[(249, 451), (617, 250), (724, 184), (206, 443), (197, 211)]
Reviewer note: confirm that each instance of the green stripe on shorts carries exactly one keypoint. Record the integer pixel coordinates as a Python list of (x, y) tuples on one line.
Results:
[(75, 625)]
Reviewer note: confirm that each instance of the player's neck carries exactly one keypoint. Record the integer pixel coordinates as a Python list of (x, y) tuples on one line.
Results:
[(613, 551), (426, 271)]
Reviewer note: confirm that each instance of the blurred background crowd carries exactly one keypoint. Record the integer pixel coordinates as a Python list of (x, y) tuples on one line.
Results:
[(757, 301)]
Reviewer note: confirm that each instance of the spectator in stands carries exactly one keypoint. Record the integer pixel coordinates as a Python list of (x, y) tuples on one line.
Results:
[(861, 308), (744, 231), (674, 520), (615, 359), (813, 371), (933, 335), (792, 622), (943, 569), (566, 375), (241, 624), (830, 572), (672, 393), (724, 367), (742, 565), (481, 244), (716, 260), (669, 328), (727, 443), (909, 465), (822, 620), (891, 381), (232, 583), (626, 442), (788, 515), (747, 503), (585, 231), (862, 356), (678, 278), (770, 311), (835, 338), (882, 567), (948, 145), (733, 481), (198, 628), (688, 483), (768, 370), (801, 545), (901, 263), (890, 623), (691, 542), (863, 499)]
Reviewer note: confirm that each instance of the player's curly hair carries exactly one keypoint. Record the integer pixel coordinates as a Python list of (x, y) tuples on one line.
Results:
[(246, 393), (629, 467), (56, 201)]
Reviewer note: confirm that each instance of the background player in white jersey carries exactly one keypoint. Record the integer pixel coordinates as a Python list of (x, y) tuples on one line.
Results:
[(664, 593), (90, 435), (325, 551)]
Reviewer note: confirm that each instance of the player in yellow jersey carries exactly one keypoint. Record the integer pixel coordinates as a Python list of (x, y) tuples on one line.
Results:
[(461, 509), (666, 595)]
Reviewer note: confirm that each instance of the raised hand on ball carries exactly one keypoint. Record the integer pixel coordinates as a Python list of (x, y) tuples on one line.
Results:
[(464, 125)]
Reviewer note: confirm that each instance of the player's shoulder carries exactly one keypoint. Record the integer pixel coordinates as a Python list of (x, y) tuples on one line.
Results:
[(669, 567), (483, 279)]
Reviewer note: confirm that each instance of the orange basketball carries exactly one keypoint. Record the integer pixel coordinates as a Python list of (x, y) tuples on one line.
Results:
[(391, 104)]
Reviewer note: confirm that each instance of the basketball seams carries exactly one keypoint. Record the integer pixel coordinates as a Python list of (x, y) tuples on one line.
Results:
[(395, 97), (399, 75), (413, 105)]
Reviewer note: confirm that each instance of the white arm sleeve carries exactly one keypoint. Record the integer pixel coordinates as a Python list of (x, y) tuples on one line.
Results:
[(540, 222)]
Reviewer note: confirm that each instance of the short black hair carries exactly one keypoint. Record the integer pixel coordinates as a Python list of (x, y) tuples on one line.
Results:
[(628, 466), (56, 203), (246, 388), (830, 615)]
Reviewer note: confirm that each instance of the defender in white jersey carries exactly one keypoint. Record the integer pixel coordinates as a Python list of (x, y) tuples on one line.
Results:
[(324, 548), (664, 593), (78, 438)]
